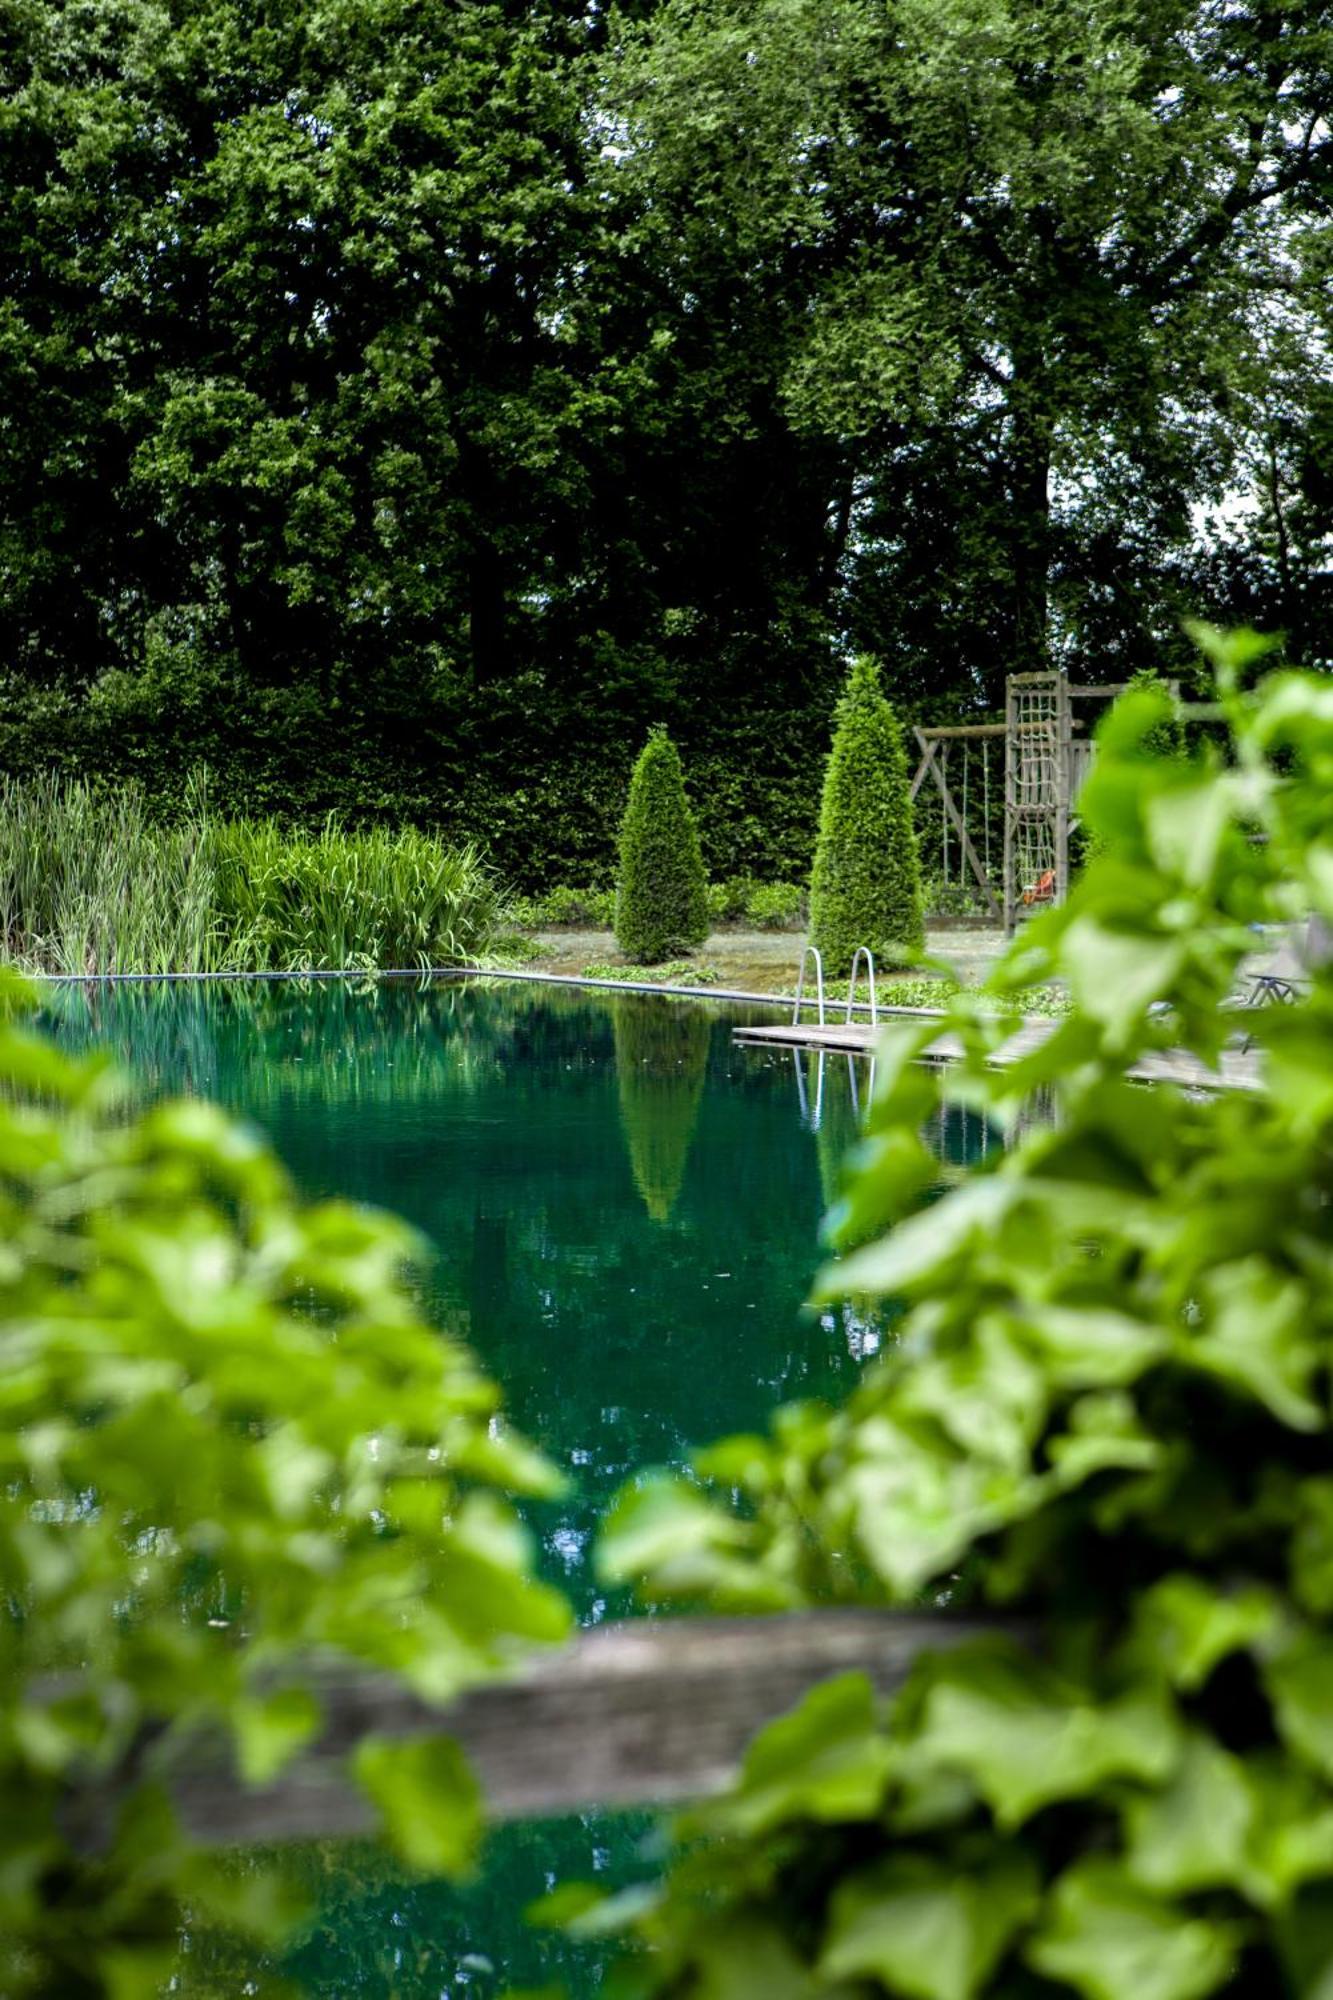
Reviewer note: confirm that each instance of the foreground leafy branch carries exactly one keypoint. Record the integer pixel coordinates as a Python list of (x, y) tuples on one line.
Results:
[(1108, 1405), (228, 1443)]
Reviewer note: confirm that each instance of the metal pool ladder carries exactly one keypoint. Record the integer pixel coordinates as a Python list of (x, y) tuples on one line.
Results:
[(862, 952), (810, 952)]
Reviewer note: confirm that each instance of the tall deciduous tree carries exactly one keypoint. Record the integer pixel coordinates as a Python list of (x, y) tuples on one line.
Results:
[(1033, 252)]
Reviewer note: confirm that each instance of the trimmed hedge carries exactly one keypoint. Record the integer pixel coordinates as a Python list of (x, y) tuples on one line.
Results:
[(865, 888), (662, 895)]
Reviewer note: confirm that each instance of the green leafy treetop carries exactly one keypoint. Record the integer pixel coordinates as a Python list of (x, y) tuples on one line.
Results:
[(662, 895), (1109, 1414), (229, 1444), (865, 888)]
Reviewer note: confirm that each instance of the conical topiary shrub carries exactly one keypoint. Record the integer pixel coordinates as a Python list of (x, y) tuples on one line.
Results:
[(661, 898), (865, 888)]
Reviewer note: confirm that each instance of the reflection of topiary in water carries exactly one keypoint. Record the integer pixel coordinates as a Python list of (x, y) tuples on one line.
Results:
[(661, 1062), (865, 888), (662, 898)]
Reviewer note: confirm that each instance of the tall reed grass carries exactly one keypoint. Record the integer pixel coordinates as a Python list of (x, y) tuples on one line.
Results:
[(295, 904), (89, 884)]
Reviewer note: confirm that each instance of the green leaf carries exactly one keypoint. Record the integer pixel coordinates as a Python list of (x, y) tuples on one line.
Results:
[(1115, 975), (743, 1956), (918, 1504), (1312, 1547), (1109, 1939), (136, 1974), (1194, 1832), (1298, 1680), (923, 1249), (1026, 1738), (1184, 1626), (429, 1799), (655, 1525), (1091, 1348), (271, 1728), (929, 1928), (1256, 1336), (827, 1760), (1104, 1434)]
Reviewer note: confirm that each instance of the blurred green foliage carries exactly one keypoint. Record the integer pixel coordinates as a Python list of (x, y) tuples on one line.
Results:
[(230, 1444), (1108, 1409)]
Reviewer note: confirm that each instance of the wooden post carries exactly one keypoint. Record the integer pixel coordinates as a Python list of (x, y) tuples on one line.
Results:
[(1010, 804), (1064, 770)]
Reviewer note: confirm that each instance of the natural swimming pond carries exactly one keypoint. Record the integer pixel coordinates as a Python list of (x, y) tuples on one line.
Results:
[(624, 1211)]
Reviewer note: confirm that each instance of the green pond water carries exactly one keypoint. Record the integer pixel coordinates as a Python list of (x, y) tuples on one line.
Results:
[(623, 1209)]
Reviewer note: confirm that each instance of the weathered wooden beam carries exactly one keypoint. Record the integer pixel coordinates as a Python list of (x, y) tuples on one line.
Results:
[(964, 729), (650, 1712)]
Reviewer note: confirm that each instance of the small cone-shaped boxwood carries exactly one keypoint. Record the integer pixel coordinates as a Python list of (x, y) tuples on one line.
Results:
[(865, 888), (661, 898)]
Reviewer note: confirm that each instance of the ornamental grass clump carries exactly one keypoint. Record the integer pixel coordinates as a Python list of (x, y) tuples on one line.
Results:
[(865, 886), (662, 894), (1107, 1418), (89, 884), (367, 899)]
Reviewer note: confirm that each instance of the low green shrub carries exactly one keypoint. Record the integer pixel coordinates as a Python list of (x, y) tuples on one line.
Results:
[(231, 1448), (725, 901), (580, 909), (775, 906), (765, 906), (960, 897), (661, 896), (864, 889), (88, 884), (675, 972)]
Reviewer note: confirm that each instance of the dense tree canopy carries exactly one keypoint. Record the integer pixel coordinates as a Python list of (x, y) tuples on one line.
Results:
[(398, 395)]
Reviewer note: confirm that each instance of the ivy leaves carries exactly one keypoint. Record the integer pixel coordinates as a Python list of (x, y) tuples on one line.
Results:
[(1108, 1405)]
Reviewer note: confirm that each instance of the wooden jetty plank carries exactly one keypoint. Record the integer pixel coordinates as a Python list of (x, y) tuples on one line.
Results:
[(649, 1712), (1238, 1069)]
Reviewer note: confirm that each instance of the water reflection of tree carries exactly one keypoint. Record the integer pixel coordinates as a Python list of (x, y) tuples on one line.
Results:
[(661, 1061)]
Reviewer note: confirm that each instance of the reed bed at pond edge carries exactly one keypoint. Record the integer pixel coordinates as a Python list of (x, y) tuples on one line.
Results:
[(89, 883)]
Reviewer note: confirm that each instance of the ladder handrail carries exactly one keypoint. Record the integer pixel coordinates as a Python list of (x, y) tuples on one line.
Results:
[(811, 951), (863, 951)]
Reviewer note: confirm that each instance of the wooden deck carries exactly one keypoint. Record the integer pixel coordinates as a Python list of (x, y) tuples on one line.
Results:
[(1238, 1069)]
